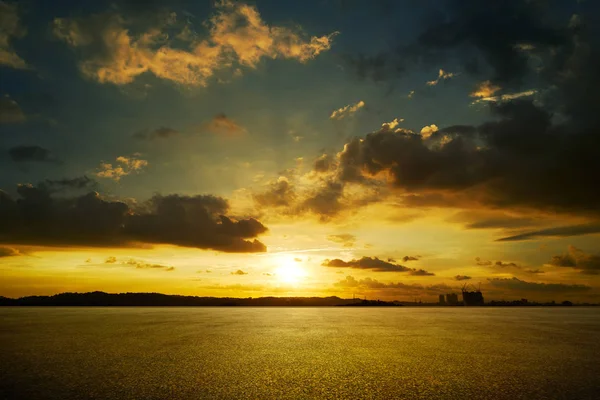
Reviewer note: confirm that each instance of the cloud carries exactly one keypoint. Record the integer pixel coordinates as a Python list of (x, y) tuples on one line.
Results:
[(374, 264), (410, 258), (462, 277), (9, 252), (239, 272), (562, 231), (158, 133), (482, 263), (21, 154), (345, 239), (524, 286), (442, 76), (125, 165), (506, 97), (223, 125), (278, 194), (506, 164), (68, 184), (37, 217), (111, 52), (324, 163), (392, 124), (427, 131), (534, 271), (475, 219), (347, 111), (460, 34), (137, 264), (399, 287), (10, 27), (144, 265), (10, 112), (485, 89), (532, 154), (504, 267), (579, 260), (501, 264), (324, 201)]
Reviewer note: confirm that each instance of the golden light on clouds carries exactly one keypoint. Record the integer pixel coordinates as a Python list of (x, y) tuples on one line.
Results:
[(237, 36)]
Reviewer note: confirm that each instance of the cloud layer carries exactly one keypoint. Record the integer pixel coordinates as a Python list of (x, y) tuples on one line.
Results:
[(38, 217), (375, 264), (237, 38)]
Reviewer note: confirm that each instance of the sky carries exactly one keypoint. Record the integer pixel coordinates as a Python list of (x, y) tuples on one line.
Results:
[(392, 150)]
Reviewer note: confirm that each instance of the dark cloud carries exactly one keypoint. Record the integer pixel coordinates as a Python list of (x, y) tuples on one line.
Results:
[(279, 194), (37, 217), (421, 272), (533, 154), (515, 168), (524, 286), (239, 272), (562, 231), (325, 201), (375, 264), (462, 277), (10, 112), (410, 258), (579, 260), (66, 184), (479, 34), (474, 219), (346, 239), (9, 252), (194, 221), (501, 264), (507, 266), (21, 154), (159, 133)]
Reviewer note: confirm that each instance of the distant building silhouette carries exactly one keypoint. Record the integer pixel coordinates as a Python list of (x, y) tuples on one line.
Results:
[(452, 299), (442, 300), (472, 298)]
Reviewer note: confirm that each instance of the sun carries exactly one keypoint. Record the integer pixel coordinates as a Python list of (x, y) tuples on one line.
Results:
[(289, 271)]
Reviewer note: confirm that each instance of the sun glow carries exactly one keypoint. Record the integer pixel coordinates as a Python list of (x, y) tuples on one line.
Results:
[(289, 271)]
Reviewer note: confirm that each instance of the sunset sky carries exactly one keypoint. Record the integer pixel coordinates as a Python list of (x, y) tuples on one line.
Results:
[(387, 149)]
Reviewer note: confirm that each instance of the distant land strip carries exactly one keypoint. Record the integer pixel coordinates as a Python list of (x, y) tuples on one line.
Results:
[(102, 299)]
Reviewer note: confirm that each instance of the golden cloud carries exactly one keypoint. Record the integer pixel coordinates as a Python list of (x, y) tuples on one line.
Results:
[(237, 35)]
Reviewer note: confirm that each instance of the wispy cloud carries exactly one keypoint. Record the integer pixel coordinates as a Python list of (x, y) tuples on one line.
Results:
[(347, 111), (561, 231), (442, 76)]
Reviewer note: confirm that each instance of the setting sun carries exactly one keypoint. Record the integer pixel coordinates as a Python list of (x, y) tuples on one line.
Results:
[(289, 271)]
